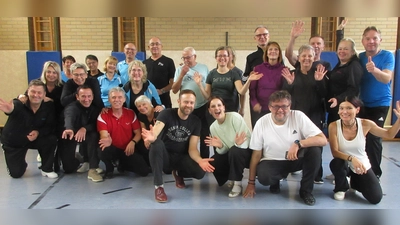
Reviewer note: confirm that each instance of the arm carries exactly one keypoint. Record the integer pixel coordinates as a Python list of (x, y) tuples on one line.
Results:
[(168, 87), (151, 135), (340, 32), (383, 76), (381, 132), (206, 92), (255, 159), (195, 155), (317, 140), (105, 139), (68, 94), (297, 30), (130, 148), (179, 75), (6, 107), (242, 89)]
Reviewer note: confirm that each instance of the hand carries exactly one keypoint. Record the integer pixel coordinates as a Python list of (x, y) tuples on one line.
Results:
[(67, 134), (342, 24), (158, 108), (397, 109), (80, 135), (159, 92), (105, 142), (292, 153), (33, 135), (320, 72), (240, 138), (104, 110), (6, 107), (22, 98), (287, 75), (297, 28), (250, 191), (257, 107), (130, 148), (205, 165), (147, 144), (358, 166), (213, 141), (184, 70), (148, 135), (334, 102), (47, 99), (255, 76), (370, 65), (197, 78)]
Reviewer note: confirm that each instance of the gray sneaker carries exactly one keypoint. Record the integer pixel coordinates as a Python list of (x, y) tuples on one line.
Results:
[(94, 176)]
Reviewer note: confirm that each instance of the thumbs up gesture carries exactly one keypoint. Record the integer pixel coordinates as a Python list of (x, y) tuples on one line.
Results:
[(370, 65)]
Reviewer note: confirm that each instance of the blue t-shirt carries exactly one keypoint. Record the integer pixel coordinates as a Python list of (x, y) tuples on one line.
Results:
[(106, 85), (373, 92)]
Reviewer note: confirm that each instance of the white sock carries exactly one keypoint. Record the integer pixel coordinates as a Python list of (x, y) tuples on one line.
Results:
[(237, 187), (157, 186)]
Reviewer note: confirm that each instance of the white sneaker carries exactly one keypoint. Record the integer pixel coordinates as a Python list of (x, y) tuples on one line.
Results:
[(229, 184), (84, 168), (38, 158), (296, 172), (99, 170), (339, 195), (236, 191), (52, 174)]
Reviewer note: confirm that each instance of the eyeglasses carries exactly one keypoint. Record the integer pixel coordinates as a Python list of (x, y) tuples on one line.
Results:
[(187, 57), (79, 74), (222, 56), (130, 49), (155, 44), (277, 107), (264, 35)]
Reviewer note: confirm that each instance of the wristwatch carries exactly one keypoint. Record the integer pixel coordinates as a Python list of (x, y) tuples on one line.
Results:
[(297, 142)]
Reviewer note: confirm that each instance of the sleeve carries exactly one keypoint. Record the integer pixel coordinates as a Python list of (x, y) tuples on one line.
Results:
[(91, 126), (306, 126), (247, 69), (135, 122), (94, 84), (353, 81), (388, 62), (101, 122), (49, 125), (171, 69), (339, 37), (68, 93), (209, 77), (257, 140), (177, 73), (154, 94), (70, 117)]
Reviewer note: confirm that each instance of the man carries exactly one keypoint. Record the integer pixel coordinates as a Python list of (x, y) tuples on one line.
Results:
[(130, 55), (184, 80), (80, 129), (173, 145), (120, 137), (160, 71), (284, 141), (29, 125), (317, 42), (93, 62), (375, 90), (67, 61)]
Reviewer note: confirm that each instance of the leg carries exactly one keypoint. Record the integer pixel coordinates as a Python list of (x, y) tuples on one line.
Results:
[(107, 155), (205, 130), (135, 163), (67, 154), (15, 161), (221, 165), (318, 177), (239, 159), (310, 166), (269, 172), (46, 146), (368, 185), (340, 170), (187, 167), (91, 142), (159, 160)]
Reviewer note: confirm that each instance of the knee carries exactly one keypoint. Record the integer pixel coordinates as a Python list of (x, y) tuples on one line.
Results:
[(375, 199), (336, 163), (199, 174), (156, 148), (17, 173), (264, 178)]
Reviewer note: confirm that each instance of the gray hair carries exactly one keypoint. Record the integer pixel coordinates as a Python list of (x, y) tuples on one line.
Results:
[(116, 89), (190, 49), (306, 47), (76, 65), (143, 98)]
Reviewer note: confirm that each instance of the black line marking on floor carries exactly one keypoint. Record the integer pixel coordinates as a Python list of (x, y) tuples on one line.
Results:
[(36, 193), (122, 189), (45, 192), (171, 181), (63, 206), (393, 160)]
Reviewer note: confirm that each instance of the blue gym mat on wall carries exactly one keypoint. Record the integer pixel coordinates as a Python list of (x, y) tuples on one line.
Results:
[(35, 61)]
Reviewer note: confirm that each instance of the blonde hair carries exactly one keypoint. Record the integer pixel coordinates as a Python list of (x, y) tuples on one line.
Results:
[(109, 59), (56, 67), (142, 66)]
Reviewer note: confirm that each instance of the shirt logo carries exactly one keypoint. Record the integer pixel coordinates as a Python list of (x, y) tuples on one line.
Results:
[(294, 132), (160, 64)]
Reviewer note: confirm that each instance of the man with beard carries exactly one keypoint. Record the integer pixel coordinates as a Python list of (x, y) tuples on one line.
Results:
[(173, 145), (284, 141)]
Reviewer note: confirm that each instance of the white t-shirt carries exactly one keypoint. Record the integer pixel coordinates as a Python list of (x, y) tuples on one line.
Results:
[(275, 139)]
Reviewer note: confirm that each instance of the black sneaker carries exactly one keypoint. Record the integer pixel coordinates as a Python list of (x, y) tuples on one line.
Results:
[(108, 175), (275, 188), (318, 181), (307, 197)]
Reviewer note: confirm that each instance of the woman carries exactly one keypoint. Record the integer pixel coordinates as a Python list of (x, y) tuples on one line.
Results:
[(231, 137), (261, 89), (139, 85), (307, 86), (347, 141), (110, 79), (223, 81), (92, 62), (345, 78)]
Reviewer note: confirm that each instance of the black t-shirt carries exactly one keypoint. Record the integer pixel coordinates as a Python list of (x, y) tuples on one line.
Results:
[(143, 118), (177, 132)]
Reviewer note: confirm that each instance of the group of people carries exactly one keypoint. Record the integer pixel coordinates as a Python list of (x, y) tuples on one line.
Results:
[(125, 118)]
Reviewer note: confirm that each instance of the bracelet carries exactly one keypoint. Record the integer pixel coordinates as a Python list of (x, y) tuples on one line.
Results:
[(252, 180), (252, 183), (134, 141), (350, 158)]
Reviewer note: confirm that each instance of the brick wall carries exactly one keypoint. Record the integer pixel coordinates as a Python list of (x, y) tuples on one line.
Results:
[(14, 33)]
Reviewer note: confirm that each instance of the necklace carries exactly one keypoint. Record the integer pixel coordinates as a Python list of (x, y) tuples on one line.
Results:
[(349, 126)]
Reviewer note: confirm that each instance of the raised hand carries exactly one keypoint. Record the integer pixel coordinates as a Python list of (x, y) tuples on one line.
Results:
[(240, 138), (370, 65), (297, 28), (397, 109), (197, 78), (5, 106), (255, 75), (287, 75), (148, 135), (213, 141), (320, 72), (342, 24)]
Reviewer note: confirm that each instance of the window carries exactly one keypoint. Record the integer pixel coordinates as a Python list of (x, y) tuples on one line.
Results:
[(45, 33), (326, 27)]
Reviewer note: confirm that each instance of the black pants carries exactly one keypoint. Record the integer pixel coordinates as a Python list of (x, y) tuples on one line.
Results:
[(254, 116), (205, 130), (15, 157), (269, 172), (230, 165), (367, 184), (162, 160), (373, 145), (133, 163), (88, 148)]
